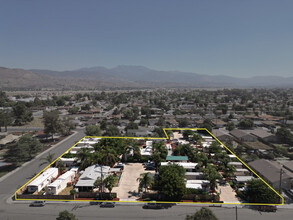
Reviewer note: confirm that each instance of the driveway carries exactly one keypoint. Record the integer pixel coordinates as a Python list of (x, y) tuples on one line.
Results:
[(227, 194), (128, 188)]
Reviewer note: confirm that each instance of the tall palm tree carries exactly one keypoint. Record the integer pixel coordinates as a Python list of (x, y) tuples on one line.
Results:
[(108, 157), (48, 159), (145, 181), (61, 166), (85, 157)]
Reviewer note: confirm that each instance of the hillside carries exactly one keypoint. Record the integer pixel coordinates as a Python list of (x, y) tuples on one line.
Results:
[(128, 77)]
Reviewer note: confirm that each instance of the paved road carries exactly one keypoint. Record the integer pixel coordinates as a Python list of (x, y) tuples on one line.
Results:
[(87, 212), (24, 129), (84, 211), (13, 182)]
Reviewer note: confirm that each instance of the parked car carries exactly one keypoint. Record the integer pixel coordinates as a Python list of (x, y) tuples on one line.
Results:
[(119, 165), (147, 164), (38, 203), (107, 205), (150, 168), (152, 205)]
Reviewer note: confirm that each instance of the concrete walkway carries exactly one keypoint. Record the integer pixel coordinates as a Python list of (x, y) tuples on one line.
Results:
[(227, 194)]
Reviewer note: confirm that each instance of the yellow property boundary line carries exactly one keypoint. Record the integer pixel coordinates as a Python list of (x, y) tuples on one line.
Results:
[(154, 138)]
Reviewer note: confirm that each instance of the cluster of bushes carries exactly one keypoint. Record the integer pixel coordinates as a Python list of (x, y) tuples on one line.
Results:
[(69, 155), (199, 195)]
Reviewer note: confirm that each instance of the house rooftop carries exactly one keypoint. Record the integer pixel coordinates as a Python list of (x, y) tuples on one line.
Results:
[(268, 169)]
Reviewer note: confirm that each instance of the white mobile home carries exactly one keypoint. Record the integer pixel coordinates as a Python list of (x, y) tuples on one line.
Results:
[(58, 185), (42, 180)]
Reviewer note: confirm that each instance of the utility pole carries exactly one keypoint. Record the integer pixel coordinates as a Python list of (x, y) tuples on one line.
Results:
[(102, 190), (236, 213)]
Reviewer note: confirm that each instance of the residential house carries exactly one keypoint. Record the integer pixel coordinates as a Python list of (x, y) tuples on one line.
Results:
[(242, 136), (271, 173), (90, 175), (264, 135)]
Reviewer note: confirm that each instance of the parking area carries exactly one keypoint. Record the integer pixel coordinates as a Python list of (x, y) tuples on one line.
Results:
[(128, 188)]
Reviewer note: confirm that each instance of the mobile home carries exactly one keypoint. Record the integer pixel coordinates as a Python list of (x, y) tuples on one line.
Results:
[(42, 180), (59, 184)]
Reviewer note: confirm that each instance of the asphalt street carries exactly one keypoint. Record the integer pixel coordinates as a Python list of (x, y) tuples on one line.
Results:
[(131, 211), (9, 185), (21, 209)]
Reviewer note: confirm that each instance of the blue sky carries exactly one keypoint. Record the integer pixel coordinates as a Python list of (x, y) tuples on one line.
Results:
[(227, 37)]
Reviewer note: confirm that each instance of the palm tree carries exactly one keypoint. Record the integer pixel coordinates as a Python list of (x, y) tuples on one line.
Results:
[(108, 157), (85, 157), (228, 170), (61, 166), (145, 181), (211, 174), (48, 159)]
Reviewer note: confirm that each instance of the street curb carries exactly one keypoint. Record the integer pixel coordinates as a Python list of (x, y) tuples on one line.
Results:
[(39, 155)]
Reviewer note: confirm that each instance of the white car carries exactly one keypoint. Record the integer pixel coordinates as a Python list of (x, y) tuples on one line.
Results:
[(38, 203)]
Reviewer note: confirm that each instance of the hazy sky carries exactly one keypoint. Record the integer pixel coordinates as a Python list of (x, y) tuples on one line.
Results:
[(236, 37)]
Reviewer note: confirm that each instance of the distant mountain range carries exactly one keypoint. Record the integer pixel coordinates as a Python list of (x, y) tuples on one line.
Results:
[(129, 77)]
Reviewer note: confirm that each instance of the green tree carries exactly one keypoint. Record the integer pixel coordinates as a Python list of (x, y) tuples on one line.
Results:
[(37, 101), (65, 215), (48, 159), (207, 123), (112, 131), (230, 126), (143, 122), (161, 122), (86, 107), (6, 118), (197, 137), (284, 135), (145, 181), (98, 183), (73, 110), (202, 214), (159, 154), (223, 108), (92, 130), (22, 114), (187, 133), (171, 182), (131, 125), (66, 126), (52, 122), (258, 192), (215, 147), (211, 174), (183, 123), (84, 156), (109, 183), (245, 124), (24, 150)]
